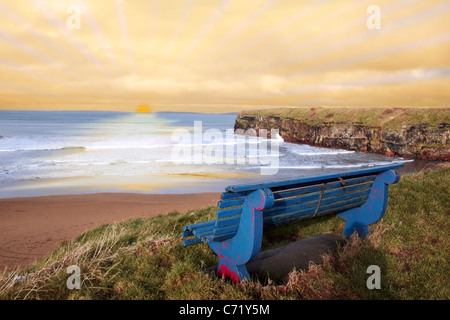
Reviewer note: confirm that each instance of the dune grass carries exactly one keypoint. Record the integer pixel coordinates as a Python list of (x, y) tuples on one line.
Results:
[(145, 258)]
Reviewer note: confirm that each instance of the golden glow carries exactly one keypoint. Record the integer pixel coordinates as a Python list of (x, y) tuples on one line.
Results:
[(143, 109), (222, 55)]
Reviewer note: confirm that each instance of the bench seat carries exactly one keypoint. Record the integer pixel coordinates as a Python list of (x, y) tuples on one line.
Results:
[(359, 197)]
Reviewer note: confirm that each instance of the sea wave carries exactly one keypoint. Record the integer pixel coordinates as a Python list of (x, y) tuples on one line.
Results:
[(44, 149), (73, 162), (337, 166), (324, 153)]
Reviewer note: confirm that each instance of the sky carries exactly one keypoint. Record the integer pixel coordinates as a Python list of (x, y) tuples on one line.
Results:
[(223, 55)]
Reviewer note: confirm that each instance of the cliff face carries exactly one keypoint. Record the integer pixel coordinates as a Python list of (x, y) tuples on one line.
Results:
[(414, 141)]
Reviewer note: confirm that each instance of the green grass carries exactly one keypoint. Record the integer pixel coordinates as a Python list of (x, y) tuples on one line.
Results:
[(375, 117), (145, 258)]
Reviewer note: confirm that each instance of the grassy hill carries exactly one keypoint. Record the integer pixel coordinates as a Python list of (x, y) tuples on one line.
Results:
[(145, 259), (371, 116)]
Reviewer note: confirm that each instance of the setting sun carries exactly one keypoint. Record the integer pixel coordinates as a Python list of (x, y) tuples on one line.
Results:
[(143, 109)]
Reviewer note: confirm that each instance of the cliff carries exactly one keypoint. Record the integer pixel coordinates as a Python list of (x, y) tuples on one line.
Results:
[(414, 133)]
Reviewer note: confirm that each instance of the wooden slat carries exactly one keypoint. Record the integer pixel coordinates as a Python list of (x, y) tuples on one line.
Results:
[(231, 203), (291, 192), (232, 195), (204, 232), (307, 201), (229, 231), (310, 180), (190, 230), (318, 187), (312, 205), (333, 194), (223, 237), (198, 225), (228, 212), (204, 229), (225, 230), (326, 208)]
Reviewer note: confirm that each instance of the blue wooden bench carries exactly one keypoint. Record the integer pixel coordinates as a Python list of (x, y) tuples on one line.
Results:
[(359, 197)]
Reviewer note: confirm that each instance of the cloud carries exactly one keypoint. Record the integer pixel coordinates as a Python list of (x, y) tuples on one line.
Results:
[(195, 52)]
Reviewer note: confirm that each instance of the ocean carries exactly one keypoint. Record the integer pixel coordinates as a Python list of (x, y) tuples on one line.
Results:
[(66, 152)]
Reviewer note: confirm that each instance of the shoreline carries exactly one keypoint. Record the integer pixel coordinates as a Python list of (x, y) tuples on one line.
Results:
[(32, 227), (169, 184)]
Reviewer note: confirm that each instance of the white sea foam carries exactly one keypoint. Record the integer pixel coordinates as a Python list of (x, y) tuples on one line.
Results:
[(324, 153), (279, 138)]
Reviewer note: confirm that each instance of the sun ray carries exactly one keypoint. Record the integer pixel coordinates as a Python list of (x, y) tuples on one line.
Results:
[(364, 36), (205, 28), (98, 34), (62, 28), (298, 15), (294, 41), (176, 32), (123, 24), (382, 53), (38, 56), (56, 65), (297, 52), (193, 52), (65, 54), (155, 4), (236, 31)]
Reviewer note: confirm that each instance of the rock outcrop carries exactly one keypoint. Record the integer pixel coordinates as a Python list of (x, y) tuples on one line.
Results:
[(429, 141)]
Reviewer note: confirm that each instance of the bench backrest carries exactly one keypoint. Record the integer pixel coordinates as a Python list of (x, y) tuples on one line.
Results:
[(298, 199)]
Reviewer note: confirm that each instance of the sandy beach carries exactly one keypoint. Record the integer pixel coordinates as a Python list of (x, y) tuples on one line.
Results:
[(30, 228)]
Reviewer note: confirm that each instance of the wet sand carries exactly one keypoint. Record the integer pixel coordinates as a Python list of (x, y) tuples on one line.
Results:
[(30, 228)]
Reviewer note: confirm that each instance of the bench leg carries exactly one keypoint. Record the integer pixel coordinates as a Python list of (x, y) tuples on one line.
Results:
[(358, 219), (234, 272), (235, 252)]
